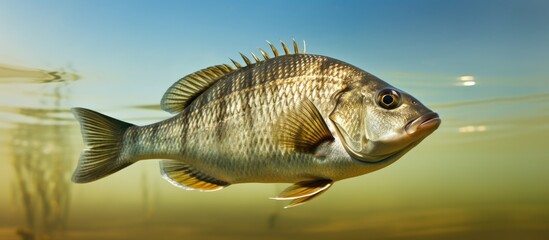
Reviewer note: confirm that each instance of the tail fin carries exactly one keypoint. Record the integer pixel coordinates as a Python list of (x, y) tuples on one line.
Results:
[(103, 138)]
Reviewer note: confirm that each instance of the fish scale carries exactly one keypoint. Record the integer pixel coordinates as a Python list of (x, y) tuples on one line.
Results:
[(298, 118), (209, 118)]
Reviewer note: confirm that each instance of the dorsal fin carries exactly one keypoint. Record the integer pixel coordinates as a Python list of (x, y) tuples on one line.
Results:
[(273, 48), (296, 48), (246, 59), (255, 57), (182, 92), (286, 51), (264, 54), (235, 63)]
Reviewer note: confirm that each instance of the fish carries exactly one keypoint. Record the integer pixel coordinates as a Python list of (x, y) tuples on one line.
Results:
[(291, 117)]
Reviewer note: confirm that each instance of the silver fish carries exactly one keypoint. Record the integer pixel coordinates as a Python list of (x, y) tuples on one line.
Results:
[(295, 118)]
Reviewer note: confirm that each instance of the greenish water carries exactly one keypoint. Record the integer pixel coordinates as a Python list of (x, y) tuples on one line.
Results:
[(481, 175)]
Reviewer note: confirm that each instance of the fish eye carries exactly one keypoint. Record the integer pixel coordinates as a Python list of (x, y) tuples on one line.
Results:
[(388, 99)]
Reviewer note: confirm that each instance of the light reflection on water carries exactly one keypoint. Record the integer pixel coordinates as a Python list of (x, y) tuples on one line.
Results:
[(451, 187), (41, 149)]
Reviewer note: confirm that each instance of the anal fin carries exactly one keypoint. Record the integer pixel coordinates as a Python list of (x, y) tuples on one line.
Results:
[(302, 192), (185, 176)]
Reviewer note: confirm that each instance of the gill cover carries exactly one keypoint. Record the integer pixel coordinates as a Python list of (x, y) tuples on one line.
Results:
[(348, 118)]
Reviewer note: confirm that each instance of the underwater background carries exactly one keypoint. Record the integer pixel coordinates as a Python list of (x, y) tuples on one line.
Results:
[(482, 65)]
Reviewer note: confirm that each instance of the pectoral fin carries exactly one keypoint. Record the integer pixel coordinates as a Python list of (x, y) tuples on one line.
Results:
[(302, 192), (186, 177), (302, 129)]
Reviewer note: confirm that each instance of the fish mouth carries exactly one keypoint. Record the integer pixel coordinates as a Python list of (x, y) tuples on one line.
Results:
[(427, 122), (418, 129)]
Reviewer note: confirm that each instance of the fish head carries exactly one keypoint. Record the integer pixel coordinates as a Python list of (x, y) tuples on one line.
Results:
[(377, 122)]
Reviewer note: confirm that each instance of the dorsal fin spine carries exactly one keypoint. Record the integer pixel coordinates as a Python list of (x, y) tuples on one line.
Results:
[(236, 64), (273, 48), (286, 51), (296, 48), (255, 57), (265, 55), (246, 59), (227, 69)]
